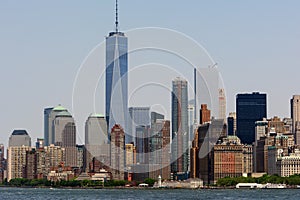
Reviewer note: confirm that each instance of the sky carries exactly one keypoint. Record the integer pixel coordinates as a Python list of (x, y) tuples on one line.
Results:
[(43, 43)]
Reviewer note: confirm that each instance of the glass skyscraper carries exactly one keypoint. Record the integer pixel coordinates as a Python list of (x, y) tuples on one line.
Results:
[(180, 128), (249, 109), (116, 94)]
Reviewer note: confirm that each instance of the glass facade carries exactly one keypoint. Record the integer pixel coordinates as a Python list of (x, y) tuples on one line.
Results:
[(139, 116), (250, 108), (116, 102), (180, 128)]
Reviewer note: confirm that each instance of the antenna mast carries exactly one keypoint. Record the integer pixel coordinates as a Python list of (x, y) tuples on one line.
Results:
[(117, 22)]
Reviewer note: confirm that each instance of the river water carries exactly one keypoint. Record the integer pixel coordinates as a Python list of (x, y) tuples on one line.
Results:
[(80, 194)]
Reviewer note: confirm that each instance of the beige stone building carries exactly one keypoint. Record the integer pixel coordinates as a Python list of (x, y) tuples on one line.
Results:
[(16, 161)]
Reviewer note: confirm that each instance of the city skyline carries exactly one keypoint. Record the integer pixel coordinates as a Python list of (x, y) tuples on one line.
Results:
[(40, 67)]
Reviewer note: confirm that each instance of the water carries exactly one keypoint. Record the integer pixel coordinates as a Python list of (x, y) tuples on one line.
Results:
[(80, 194)]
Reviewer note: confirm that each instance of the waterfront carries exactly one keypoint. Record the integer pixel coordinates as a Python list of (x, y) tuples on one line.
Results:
[(81, 194)]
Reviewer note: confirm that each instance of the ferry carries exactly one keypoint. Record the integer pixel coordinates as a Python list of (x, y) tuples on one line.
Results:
[(249, 186)]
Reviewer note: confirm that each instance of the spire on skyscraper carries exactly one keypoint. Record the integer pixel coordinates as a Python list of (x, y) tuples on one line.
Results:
[(117, 22)]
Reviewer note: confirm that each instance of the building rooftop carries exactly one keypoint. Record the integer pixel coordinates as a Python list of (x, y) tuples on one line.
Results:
[(64, 114), (59, 108), (19, 132), (96, 115)]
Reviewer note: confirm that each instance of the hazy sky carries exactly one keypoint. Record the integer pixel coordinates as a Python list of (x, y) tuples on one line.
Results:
[(42, 44)]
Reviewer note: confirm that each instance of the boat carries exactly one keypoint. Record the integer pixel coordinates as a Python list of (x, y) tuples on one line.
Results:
[(275, 186), (249, 186)]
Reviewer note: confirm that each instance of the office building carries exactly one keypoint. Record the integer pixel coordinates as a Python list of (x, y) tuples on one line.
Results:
[(249, 109), (139, 116), (47, 126), (69, 143), (2, 163), (19, 138), (231, 123), (142, 144), (40, 143), (96, 140), (130, 154), (49, 118), (160, 149), (295, 115), (222, 105), (205, 114), (180, 129), (117, 145), (116, 82)]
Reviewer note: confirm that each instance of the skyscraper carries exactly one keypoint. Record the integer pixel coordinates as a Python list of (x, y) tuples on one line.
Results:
[(180, 129), (249, 108), (69, 143), (139, 116), (19, 138), (205, 115), (116, 102), (231, 123), (47, 133), (65, 136), (117, 152), (160, 148), (49, 117), (222, 105), (295, 115), (96, 140)]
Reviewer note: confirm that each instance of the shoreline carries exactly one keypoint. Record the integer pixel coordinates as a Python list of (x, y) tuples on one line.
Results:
[(143, 188)]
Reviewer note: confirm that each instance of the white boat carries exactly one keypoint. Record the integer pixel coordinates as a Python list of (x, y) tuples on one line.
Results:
[(275, 186), (249, 186)]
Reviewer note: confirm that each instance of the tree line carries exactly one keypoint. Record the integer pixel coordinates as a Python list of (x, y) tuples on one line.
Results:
[(22, 182), (275, 179)]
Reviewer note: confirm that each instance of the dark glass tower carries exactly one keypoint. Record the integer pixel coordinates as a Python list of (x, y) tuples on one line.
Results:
[(250, 108), (116, 94), (180, 128)]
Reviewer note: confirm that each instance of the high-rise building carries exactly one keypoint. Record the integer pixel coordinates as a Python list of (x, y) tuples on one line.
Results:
[(295, 115), (116, 102), (16, 161), (139, 116), (191, 112), (130, 154), (249, 108), (117, 145), (69, 143), (222, 105), (208, 135), (156, 116), (40, 143), (96, 140), (64, 134), (205, 115), (142, 144), (19, 138), (61, 122), (49, 157), (80, 156), (49, 118), (2, 163), (30, 169), (160, 149), (231, 123), (180, 129), (47, 126)]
